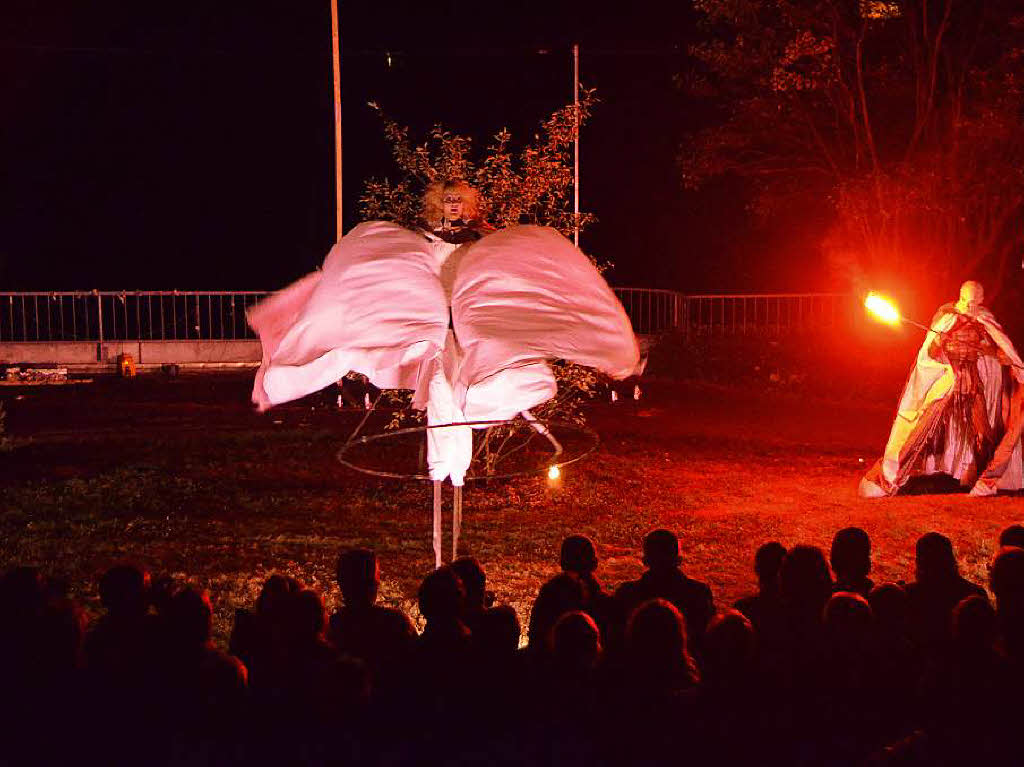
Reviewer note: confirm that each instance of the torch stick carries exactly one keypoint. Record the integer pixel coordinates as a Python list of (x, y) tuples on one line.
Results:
[(885, 311)]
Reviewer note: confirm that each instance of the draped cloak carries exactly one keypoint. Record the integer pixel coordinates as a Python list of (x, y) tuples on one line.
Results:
[(380, 306), (924, 418)]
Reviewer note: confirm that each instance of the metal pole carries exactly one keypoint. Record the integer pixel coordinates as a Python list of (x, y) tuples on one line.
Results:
[(336, 58), (437, 523), (99, 316), (576, 145)]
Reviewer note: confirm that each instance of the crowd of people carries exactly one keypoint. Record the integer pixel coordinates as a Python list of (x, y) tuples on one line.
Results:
[(819, 666)]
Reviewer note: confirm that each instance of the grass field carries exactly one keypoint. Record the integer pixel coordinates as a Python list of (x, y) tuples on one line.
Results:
[(185, 478)]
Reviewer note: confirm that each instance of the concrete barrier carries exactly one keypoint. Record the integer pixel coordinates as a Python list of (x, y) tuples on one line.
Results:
[(89, 355)]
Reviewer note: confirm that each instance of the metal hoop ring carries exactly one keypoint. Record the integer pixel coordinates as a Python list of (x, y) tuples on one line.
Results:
[(414, 429)]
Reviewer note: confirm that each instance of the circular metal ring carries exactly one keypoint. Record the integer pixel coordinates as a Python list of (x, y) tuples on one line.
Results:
[(595, 442)]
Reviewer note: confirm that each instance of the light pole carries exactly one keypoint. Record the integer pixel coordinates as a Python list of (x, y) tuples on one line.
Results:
[(576, 145), (336, 59)]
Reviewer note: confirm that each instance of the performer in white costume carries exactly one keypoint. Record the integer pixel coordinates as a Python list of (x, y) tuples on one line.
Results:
[(960, 412), (382, 305)]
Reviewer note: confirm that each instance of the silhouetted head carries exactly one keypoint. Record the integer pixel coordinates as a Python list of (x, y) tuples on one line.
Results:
[(575, 642), (805, 581), (562, 594), (124, 590), (441, 596), (729, 644), (934, 558), (1006, 579), (275, 593), (848, 619), (656, 634), (358, 577), (1012, 536), (889, 604), (851, 554), (661, 550), (307, 615), (190, 616), (578, 555), (974, 624), (498, 634), (474, 581), (767, 561)]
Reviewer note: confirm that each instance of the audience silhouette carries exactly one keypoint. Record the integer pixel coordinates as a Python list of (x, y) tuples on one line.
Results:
[(809, 670)]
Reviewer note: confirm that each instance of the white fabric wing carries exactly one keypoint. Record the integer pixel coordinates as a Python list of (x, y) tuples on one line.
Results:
[(522, 296), (377, 307)]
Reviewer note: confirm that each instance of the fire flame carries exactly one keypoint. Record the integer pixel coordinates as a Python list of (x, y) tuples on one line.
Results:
[(882, 308)]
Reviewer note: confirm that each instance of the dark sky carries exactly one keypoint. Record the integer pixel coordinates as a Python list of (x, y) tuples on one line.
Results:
[(189, 144)]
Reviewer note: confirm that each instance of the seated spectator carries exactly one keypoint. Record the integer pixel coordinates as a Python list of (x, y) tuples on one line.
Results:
[(205, 687), (851, 561), (765, 605), (654, 698), (575, 647), (122, 645), (730, 653), (738, 705), (657, 651), (1012, 536), (851, 670), (964, 693), (562, 594), (257, 634), (382, 636), (579, 556), (1006, 579), (665, 580), (938, 589), (899, 664), (805, 584), (793, 645), (443, 650), (478, 600)]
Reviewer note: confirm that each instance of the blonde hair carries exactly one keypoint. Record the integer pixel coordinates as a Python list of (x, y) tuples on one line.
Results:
[(433, 200)]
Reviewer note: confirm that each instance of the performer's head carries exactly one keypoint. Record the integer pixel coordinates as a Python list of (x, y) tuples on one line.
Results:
[(450, 200), (972, 295)]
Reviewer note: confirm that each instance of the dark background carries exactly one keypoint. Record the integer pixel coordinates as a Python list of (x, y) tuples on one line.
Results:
[(189, 145)]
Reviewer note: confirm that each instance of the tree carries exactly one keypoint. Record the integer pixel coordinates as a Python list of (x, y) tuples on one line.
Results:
[(902, 118), (528, 187)]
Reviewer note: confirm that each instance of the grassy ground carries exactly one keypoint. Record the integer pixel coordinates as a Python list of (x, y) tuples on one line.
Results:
[(183, 477)]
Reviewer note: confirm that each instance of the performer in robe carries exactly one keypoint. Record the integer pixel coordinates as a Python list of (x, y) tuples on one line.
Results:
[(960, 411), (471, 338)]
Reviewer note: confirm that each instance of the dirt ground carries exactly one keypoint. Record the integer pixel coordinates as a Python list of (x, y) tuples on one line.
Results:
[(182, 476)]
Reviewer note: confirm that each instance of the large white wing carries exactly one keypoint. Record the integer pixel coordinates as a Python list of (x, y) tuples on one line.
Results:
[(377, 307), (522, 296)]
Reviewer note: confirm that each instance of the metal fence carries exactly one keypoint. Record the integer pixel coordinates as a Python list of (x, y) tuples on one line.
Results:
[(171, 315), (145, 315), (766, 314)]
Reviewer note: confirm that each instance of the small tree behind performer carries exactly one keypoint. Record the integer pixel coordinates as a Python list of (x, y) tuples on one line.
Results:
[(960, 412)]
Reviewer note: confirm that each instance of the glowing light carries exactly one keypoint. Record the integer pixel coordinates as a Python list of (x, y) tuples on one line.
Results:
[(554, 472), (882, 309)]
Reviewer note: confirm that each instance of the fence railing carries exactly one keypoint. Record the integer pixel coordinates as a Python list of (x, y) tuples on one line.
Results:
[(138, 315), (171, 315)]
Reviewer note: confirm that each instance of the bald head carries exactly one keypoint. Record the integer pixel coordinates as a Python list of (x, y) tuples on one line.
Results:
[(972, 296)]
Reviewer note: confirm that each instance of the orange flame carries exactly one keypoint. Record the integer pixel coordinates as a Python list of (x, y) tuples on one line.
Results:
[(882, 308)]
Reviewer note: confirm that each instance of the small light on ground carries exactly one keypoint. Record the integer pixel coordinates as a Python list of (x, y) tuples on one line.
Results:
[(554, 472)]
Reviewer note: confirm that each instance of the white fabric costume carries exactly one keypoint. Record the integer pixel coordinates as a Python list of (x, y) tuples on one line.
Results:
[(519, 297), (952, 405)]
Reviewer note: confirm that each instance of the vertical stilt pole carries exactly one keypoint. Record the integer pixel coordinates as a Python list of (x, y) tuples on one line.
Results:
[(437, 523), (456, 521)]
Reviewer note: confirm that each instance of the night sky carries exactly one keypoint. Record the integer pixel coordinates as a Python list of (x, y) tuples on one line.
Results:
[(189, 145)]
